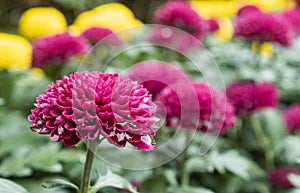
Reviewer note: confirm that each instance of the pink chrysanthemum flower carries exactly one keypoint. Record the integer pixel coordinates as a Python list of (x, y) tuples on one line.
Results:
[(292, 118), (279, 176), (156, 75), (248, 9), (264, 27), (96, 34), (181, 15), (57, 49), (210, 112), (293, 18), (89, 104), (249, 96)]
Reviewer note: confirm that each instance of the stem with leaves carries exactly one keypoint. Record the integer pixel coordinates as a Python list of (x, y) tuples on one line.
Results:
[(185, 175)]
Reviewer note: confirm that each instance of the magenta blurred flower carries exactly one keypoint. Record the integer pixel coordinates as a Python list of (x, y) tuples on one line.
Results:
[(155, 75), (257, 26), (88, 104), (293, 18), (291, 118), (210, 111), (181, 15), (247, 10), (279, 176), (249, 96), (96, 34), (57, 49)]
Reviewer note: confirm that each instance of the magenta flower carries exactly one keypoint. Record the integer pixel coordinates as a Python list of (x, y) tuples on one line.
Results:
[(262, 27), (210, 112), (293, 18), (156, 75), (89, 104), (181, 15), (249, 96), (291, 118), (279, 176), (96, 34), (247, 10), (57, 49)]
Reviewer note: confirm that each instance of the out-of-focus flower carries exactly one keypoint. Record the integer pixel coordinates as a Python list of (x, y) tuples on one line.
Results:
[(292, 118), (15, 52), (293, 17), (226, 30), (265, 49), (181, 15), (57, 49), (42, 21), (248, 9), (249, 96), (268, 5), (37, 73), (215, 8), (96, 34), (279, 176), (113, 16), (214, 114), (264, 27), (89, 104), (156, 75)]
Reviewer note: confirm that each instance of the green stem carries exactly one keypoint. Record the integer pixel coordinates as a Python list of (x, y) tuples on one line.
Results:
[(185, 179), (85, 181), (263, 142)]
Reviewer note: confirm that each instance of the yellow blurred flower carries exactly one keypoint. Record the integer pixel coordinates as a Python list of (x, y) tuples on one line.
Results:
[(226, 29), (265, 49), (15, 52), (215, 8), (37, 73), (114, 16), (269, 5), (42, 21)]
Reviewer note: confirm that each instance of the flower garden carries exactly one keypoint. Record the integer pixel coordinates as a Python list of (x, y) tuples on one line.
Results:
[(117, 96)]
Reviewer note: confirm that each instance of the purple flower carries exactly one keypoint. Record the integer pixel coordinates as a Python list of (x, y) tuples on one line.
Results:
[(262, 27), (279, 176), (249, 96), (156, 75), (57, 49), (292, 118), (89, 104), (210, 112), (181, 15), (96, 34)]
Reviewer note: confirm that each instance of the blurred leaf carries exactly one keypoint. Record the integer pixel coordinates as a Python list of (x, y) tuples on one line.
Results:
[(58, 183), (71, 4), (295, 180), (171, 177), (33, 185), (112, 180), (288, 149), (176, 189), (155, 183), (7, 186)]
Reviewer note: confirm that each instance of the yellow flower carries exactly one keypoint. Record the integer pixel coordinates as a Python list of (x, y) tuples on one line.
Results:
[(114, 16), (15, 52), (226, 29), (215, 8), (37, 73), (265, 49), (41, 21), (268, 5)]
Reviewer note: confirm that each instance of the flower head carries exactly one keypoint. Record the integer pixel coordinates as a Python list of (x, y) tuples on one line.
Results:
[(33, 21), (248, 9), (15, 52), (292, 118), (249, 96), (96, 34), (263, 27), (279, 176), (210, 112), (293, 18), (57, 49), (156, 75), (89, 104), (181, 15)]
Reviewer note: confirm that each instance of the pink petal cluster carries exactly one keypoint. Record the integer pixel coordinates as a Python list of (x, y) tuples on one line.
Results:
[(155, 75), (293, 18), (279, 176), (292, 118), (248, 96), (210, 112), (57, 49), (96, 34), (254, 25), (181, 15), (247, 10), (89, 104)]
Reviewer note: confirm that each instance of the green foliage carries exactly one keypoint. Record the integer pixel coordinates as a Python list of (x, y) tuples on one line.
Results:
[(7, 186)]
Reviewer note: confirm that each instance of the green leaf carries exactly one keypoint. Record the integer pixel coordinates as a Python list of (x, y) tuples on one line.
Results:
[(58, 183), (176, 189), (7, 186), (112, 180), (295, 180), (156, 183), (289, 149)]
